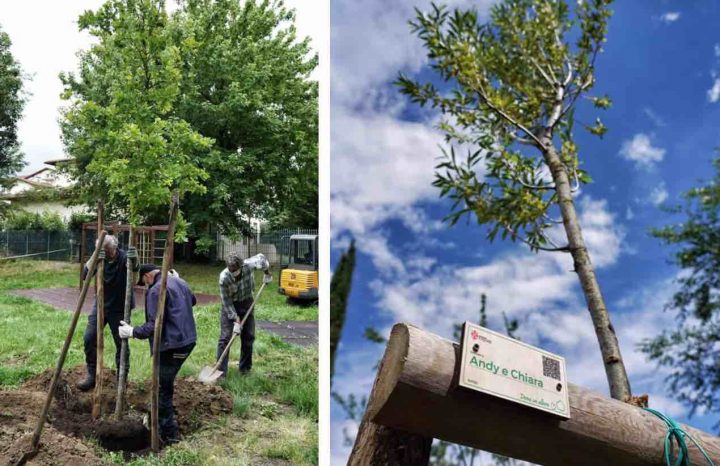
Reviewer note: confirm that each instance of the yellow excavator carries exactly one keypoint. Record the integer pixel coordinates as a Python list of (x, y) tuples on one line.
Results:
[(299, 277)]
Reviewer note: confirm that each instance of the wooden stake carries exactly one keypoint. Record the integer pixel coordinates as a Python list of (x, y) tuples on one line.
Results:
[(63, 353), (100, 308), (416, 391), (122, 376), (157, 334)]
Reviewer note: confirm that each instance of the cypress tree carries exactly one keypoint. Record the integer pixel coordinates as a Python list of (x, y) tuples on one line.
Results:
[(339, 292)]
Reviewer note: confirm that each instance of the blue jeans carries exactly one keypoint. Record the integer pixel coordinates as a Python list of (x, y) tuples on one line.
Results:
[(90, 339), (170, 363), (247, 336)]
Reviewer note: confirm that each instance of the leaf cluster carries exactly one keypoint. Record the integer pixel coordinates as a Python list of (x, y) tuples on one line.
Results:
[(510, 87)]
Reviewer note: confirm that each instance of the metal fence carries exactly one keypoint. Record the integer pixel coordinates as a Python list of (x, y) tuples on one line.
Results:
[(39, 244), (275, 245), (65, 245)]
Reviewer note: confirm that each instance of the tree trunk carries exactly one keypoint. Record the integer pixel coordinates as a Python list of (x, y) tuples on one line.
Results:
[(609, 347), (122, 378), (100, 309), (157, 333)]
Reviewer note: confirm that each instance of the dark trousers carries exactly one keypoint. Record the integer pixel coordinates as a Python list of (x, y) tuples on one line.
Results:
[(247, 336), (170, 363), (113, 320)]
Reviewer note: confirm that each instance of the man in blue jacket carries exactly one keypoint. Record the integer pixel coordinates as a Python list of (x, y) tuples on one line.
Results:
[(177, 339)]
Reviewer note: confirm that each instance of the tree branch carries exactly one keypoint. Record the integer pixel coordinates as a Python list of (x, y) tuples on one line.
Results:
[(537, 246), (550, 80), (507, 117)]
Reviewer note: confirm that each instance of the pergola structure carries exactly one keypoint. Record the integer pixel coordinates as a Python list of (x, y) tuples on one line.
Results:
[(149, 241)]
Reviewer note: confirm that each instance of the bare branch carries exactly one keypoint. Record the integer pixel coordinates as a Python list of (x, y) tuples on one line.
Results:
[(521, 140), (550, 80), (536, 246), (575, 188), (569, 76)]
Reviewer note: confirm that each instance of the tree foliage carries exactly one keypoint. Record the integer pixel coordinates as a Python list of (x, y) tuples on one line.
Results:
[(513, 84), (217, 94), (122, 128), (247, 85), (692, 348), (23, 220), (12, 102)]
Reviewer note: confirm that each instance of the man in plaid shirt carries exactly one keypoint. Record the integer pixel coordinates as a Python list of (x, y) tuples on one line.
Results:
[(237, 283)]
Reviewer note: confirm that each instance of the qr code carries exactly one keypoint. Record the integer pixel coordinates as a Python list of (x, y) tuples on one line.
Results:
[(551, 368)]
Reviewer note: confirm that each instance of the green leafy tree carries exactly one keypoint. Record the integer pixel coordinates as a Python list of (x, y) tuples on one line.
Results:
[(510, 90), (123, 132), (339, 292), (12, 102), (691, 349), (246, 84), (218, 93)]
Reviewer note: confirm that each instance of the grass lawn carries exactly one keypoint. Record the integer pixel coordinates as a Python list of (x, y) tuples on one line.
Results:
[(275, 412)]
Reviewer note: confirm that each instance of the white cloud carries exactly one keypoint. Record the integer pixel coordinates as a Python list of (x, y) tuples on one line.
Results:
[(641, 151), (659, 194), (713, 94), (371, 43), (517, 283), (670, 17)]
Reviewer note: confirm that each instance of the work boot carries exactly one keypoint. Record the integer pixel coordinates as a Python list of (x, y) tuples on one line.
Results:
[(87, 384)]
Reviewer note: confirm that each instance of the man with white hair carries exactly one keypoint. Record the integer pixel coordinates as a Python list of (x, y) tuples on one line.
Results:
[(114, 282), (236, 291)]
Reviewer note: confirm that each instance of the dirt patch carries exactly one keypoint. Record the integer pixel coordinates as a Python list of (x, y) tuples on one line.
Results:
[(70, 424)]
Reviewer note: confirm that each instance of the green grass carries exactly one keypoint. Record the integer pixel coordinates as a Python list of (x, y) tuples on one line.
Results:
[(273, 306), (275, 409)]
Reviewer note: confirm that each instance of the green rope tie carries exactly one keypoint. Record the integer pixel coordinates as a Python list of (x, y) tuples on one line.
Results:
[(677, 434)]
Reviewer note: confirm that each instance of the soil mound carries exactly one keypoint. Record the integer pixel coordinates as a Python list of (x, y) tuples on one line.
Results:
[(70, 424)]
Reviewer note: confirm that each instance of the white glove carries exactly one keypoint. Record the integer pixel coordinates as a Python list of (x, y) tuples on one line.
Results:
[(267, 278), (173, 273), (237, 328), (125, 330)]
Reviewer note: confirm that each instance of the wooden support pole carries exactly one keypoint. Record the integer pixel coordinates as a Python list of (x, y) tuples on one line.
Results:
[(122, 375), (63, 353), (157, 334), (416, 391), (100, 313)]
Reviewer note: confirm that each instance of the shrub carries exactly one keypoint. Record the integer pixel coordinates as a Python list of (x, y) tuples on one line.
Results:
[(22, 220), (78, 218)]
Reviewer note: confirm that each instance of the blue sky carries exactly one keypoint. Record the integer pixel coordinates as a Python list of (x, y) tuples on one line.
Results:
[(661, 67)]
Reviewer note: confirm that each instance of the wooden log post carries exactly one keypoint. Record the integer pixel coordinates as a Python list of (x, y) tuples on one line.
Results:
[(122, 375), (416, 391), (157, 334), (63, 352), (100, 313)]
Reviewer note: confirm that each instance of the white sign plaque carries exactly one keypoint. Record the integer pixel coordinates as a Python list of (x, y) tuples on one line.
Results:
[(501, 366)]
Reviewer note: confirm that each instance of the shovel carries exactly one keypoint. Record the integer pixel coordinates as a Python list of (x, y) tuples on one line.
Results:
[(209, 375)]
